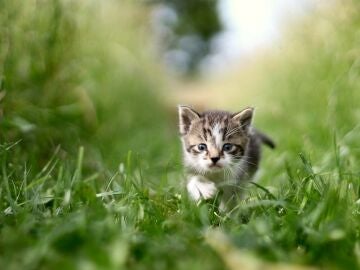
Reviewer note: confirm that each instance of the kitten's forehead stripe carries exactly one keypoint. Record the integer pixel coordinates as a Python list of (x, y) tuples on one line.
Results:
[(214, 117), (204, 133), (217, 135), (224, 133)]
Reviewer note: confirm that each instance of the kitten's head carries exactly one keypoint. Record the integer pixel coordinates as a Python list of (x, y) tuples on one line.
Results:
[(213, 140)]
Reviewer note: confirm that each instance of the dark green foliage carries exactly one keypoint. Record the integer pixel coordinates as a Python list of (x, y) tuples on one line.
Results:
[(197, 22), (64, 84)]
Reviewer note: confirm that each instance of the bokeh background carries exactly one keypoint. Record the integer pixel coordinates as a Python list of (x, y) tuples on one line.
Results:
[(104, 77), (109, 75)]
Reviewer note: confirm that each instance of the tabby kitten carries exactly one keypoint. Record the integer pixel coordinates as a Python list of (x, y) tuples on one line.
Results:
[(221, 151)]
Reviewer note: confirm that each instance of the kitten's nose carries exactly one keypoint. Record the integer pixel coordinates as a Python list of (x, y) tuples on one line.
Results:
[(215, 159)]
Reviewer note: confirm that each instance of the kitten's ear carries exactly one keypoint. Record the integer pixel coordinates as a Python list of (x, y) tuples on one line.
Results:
[(186, 116), (244, 118)]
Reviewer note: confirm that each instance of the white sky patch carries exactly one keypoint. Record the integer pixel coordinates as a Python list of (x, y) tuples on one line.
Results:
[(249, 26)]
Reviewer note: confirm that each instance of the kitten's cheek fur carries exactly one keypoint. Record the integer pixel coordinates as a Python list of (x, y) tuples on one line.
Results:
[(200, 188), (191, 161), (205, 164)]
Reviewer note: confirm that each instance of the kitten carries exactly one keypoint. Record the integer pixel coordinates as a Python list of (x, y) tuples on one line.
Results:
[(221, 151)]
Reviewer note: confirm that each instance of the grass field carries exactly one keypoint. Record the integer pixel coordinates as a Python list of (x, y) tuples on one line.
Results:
[(90, 164)]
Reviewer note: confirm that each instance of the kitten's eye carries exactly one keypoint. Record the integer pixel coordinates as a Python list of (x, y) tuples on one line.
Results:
[(202, 147), (227, 147)]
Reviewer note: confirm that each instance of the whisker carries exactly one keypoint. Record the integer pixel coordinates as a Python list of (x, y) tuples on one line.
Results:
[(232, 131), (230, 172), (248, 162), (245, 172), (242, 170), (243, 159)]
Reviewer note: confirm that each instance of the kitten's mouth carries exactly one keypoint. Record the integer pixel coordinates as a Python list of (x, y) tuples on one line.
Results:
[(215, 166)]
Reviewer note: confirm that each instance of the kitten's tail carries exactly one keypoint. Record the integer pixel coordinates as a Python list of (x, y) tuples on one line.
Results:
[(265, 139)]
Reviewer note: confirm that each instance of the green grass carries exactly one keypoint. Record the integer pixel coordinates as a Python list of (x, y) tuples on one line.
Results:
[(90, 160)]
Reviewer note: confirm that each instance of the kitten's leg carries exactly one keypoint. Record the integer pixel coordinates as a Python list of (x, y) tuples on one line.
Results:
[(228, 199), (201, 188), (231, 193)]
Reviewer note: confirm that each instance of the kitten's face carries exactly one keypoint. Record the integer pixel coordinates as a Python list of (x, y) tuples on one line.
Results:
[(215, 140)]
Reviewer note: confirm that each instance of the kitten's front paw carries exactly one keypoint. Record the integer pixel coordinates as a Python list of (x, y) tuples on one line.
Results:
[(201, 189)]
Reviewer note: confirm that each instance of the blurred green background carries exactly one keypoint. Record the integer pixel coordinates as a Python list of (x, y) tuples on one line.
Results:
[(91, 174)]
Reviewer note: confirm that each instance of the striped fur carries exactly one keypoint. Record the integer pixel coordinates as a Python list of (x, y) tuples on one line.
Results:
[(221, 151)]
